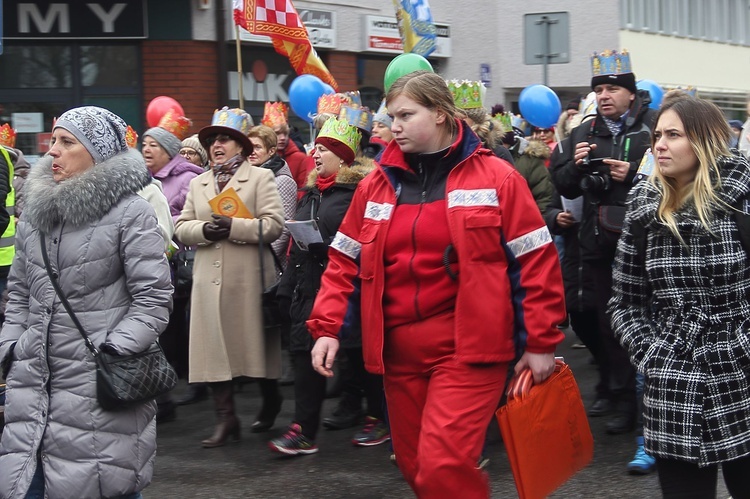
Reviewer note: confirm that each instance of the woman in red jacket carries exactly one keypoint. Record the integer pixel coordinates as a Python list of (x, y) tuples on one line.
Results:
[(458, 278)]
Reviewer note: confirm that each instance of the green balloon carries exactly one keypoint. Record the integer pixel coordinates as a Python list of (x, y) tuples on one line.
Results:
[(403, 65)]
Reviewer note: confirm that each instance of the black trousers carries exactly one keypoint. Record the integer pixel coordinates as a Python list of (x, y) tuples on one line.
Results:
[(585, 324), (621, 372), (358, 382), (682, 480), (309, 394)]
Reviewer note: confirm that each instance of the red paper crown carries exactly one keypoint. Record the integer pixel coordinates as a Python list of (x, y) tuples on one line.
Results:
[(131, 137), (175, 124), (275, 114), (331, 103), (7, 136)]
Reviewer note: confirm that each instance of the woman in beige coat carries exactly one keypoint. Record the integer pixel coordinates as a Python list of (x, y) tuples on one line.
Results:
[(227, 339)]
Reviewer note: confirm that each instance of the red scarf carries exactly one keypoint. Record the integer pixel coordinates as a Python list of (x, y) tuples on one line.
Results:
[(325, 183)]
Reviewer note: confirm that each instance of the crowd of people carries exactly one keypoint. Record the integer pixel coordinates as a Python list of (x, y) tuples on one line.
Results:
[(402, 218)]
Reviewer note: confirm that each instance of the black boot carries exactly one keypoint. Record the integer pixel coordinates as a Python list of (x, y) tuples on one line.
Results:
[(228, 424), (196, 392), (272, 399)]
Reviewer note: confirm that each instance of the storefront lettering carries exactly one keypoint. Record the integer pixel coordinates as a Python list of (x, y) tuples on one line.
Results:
[(270, 89), (29, 13), (51, 20)]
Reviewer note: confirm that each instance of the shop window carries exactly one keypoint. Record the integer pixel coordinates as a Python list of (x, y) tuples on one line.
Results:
[(109, 65), (36, 67)]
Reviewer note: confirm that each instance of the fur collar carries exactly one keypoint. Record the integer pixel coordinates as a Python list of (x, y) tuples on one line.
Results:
[(347, 176), (644, 198), (84, 198), (537, 149)]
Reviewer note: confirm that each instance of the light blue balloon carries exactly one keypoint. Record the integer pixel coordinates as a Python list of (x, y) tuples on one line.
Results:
[(304, 93), (540, 106), (654, 90)]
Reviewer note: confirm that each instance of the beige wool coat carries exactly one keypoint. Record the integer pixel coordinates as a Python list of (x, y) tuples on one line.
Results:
[(226, 328)]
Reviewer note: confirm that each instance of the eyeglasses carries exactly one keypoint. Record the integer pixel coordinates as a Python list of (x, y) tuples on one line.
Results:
[(188, 153), (221, 139)]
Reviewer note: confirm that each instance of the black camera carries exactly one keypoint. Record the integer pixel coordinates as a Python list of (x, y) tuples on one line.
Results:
[(599, 178)]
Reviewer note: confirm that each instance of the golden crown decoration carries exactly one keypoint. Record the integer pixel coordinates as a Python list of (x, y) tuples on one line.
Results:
[(175, 124), (233, 118), (610, 62), (361, 118), (339, 129), (467, 94), (275, 114), (131, 137), (7, 136), (332, 103)]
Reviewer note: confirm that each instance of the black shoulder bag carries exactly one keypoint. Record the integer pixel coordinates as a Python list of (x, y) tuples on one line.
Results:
[(122, 381), (272, 318)]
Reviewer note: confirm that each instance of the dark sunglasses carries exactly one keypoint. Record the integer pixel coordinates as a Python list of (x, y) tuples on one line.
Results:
[(221, 139)]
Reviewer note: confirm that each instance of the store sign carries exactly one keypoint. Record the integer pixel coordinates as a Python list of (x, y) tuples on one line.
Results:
[(87, 20), (27, 122), (320, 25), (382, 36)]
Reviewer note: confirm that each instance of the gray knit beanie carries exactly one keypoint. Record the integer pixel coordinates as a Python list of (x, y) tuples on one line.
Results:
[(100, 131), (166, 139), (193, 143)]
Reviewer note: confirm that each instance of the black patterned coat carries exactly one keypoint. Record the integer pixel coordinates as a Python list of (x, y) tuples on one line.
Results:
[(683, 314)]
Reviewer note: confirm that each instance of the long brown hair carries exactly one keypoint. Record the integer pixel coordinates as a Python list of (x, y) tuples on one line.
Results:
[(708, 133), (429, 90)]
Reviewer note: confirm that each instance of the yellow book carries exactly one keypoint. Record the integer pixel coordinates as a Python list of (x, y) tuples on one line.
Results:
[(229, 204)]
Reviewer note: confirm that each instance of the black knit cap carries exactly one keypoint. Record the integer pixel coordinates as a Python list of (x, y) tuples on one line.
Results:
[(624, 80)]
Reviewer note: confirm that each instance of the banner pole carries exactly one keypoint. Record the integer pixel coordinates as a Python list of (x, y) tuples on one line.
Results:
[(241, 92)]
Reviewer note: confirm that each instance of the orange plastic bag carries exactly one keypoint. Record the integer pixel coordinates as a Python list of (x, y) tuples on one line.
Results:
[(546, 431)]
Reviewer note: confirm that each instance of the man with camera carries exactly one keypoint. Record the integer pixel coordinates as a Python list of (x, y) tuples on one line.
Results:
[(599, 162)]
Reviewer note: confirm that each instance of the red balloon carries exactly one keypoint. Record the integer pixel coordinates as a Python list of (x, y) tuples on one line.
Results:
[(159, 106)]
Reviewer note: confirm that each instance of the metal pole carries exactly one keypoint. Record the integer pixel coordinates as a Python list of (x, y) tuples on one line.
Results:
[(545, 56), (239, 67)]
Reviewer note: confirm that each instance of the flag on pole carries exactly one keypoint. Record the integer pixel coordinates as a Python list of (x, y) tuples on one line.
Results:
[(279, 20), (418, 33)]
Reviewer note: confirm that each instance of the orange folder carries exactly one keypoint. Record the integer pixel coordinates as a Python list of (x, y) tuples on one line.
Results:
[(229, 204), (546, 432)]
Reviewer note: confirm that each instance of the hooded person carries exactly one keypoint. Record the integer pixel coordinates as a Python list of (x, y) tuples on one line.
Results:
[(161, 147), (106, 252)]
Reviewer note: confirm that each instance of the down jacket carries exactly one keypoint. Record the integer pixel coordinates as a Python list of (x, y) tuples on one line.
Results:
[(681, 311), (104, 243)]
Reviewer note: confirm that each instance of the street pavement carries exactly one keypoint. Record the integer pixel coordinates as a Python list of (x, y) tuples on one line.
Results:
[(248, 469)]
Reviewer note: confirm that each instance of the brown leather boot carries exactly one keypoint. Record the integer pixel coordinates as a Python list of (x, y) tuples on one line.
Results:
[(228, 425)]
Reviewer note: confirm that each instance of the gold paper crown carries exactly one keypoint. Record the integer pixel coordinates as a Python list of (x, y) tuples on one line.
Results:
[(331, 103), (610, 62), (275, 114), (361, 118), (339, 129), (7, 136), (131, 137), (175, 124), (467, 94)]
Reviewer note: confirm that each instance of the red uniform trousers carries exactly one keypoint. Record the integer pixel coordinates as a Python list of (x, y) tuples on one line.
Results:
[(438, 409)]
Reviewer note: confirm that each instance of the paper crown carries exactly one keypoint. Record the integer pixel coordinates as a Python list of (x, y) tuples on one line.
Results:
[(354, 98), (610, 62), (233, 118), (361, 118), (467, 94), (7, 136), (339, 129), (131, 137), (690, 90), (275, 114), (175, 124), (331, 103)]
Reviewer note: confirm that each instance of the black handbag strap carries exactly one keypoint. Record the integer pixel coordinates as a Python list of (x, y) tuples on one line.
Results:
[(53, 277), (260, 253)]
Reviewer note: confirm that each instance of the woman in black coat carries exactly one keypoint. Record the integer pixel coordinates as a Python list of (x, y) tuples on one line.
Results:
[(329, 191)]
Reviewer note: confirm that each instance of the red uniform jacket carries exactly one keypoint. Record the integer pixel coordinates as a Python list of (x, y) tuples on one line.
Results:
[(510, 293)]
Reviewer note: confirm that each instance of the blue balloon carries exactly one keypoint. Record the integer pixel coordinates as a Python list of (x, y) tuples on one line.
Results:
[(653, 88), (304, 93), (540, 106), (328, 89)]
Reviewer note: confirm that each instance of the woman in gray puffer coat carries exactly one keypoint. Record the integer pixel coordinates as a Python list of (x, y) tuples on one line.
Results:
[(104, 243)]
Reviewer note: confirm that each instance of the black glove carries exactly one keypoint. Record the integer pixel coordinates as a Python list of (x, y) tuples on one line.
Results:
[(285, 304), (319, 250), (222, 221), (213, 232)]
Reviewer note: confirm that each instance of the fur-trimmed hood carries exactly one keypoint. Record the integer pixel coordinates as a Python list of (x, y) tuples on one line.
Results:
[(83, 198), (351, 175), (537, 149)]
